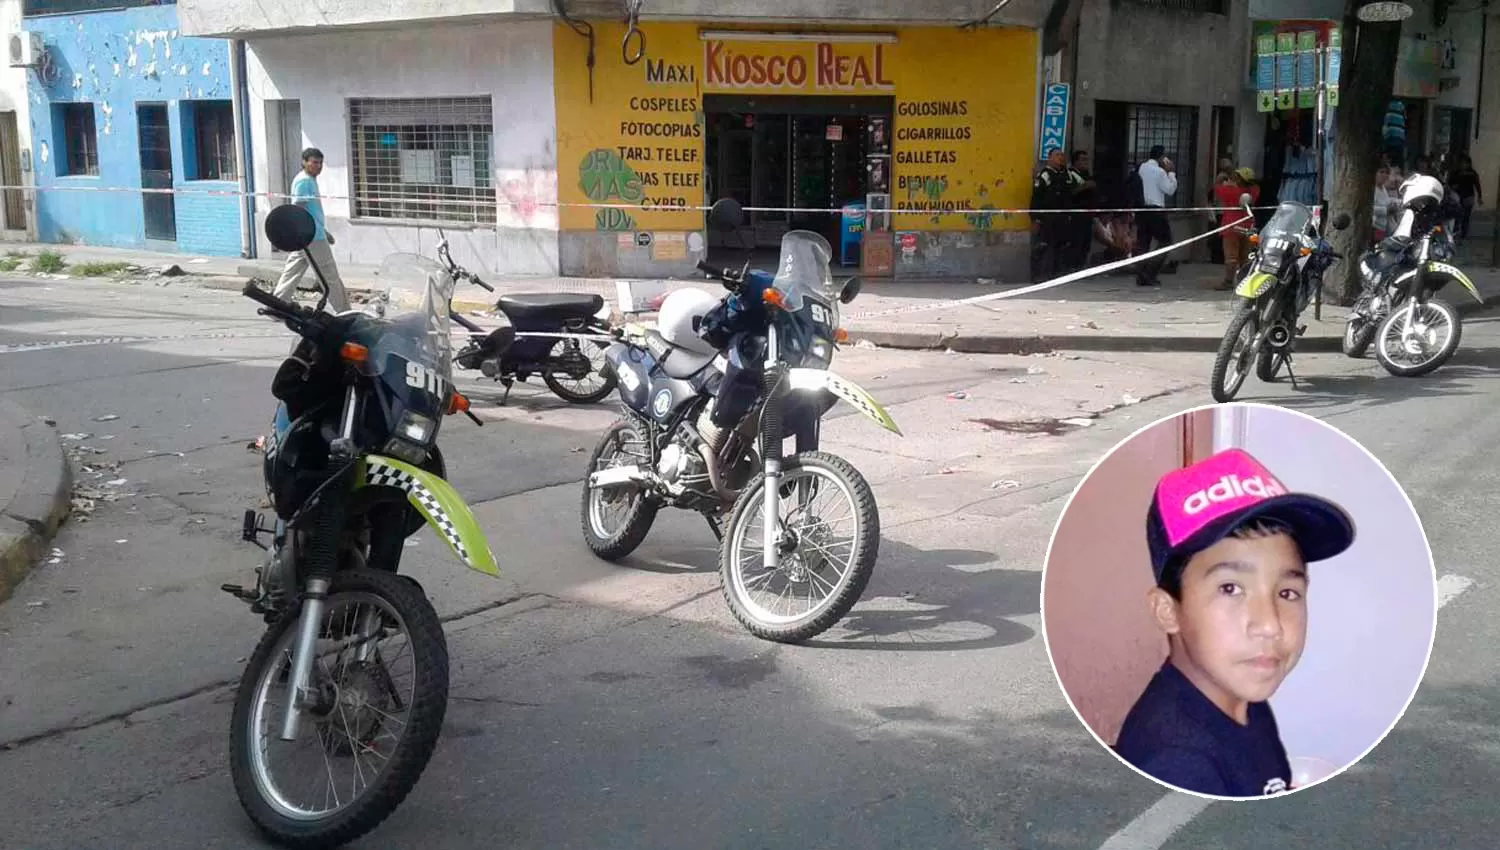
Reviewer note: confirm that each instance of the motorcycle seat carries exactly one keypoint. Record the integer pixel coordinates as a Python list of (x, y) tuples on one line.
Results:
[(551, 305), (677, 362)]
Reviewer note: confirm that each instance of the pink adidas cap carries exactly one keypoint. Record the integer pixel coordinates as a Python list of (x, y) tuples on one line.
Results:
[(1199, 505)]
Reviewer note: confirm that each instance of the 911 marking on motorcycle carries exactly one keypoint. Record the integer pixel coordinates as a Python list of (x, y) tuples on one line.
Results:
[(820, 314), (423, 378)]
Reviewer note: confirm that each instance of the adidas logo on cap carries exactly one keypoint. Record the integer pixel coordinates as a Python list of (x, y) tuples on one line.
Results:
[(1231, 487)]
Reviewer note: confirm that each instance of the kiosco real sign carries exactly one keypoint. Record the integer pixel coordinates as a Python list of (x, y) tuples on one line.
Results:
[(795, 67)]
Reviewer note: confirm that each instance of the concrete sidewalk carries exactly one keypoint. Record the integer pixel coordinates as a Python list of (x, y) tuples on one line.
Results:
[(1108, 313), (35, 489)]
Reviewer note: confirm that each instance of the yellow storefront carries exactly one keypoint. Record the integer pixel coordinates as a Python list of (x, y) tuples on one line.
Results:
[(938, 124)]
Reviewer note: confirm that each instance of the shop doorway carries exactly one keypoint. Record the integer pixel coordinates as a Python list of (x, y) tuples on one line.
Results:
[(789, 152)]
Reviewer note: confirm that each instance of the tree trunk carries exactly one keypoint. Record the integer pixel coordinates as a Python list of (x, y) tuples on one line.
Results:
[(1366, 80)]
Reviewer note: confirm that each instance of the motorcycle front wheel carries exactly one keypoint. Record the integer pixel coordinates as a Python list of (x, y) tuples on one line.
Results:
[(1421, 352), (371, 725), (1234, 351), (819, 492)]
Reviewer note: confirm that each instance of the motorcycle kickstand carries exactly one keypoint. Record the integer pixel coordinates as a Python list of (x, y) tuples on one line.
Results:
[(718, 530), (1289, 373), (507, 383)]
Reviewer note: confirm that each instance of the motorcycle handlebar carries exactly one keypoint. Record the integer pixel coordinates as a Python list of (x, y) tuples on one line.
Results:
[(475, 278), (286, 311)]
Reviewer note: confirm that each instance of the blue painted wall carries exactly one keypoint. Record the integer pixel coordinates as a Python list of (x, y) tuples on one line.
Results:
[(116, 60)]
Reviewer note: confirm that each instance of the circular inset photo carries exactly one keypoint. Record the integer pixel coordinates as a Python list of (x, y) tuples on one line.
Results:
[(1239, 601)]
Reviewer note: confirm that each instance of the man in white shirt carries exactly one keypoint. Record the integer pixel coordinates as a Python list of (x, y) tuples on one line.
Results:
[(1158, 182)]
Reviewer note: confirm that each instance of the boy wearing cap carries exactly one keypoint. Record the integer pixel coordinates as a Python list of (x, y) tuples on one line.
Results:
[(1229, 547)]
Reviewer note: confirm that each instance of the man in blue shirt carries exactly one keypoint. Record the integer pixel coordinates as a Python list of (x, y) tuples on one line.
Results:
[(305, 195)]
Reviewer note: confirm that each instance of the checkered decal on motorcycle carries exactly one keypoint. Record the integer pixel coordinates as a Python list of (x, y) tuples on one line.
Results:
[(380, 474), (850, 393)]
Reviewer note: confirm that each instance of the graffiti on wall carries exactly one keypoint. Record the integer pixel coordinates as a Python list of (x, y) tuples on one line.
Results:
[(606, 178)]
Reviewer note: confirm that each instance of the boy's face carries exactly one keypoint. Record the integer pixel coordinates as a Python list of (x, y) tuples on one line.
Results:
[(1242, 620), (314, 166)]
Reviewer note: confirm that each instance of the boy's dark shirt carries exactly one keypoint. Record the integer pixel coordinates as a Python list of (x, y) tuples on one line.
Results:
[(1464, 182), (1174, 733)]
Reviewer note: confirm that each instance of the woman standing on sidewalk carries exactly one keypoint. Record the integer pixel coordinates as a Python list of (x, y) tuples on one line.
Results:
[(1228, 197)]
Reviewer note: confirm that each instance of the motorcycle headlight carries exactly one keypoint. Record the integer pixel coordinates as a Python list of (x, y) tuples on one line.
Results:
[(819, 350), (416, 428)]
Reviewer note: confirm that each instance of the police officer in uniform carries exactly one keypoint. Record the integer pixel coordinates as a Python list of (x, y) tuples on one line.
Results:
[(1053, 189)]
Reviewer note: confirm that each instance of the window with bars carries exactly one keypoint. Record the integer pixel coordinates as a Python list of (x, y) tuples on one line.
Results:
[(212, 145), (73, 131), (422, 159), (1174, 128)]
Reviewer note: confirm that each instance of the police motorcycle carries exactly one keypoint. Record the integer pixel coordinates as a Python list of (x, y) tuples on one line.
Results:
[(1416, 332), (548, 334), (708, 396), (1276, 283), (332, 727)]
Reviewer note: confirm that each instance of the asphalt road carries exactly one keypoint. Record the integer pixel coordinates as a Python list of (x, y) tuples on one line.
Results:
[(619, 706)]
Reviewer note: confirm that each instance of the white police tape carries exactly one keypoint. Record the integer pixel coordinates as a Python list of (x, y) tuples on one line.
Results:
[(1093, 271), (529, 206)]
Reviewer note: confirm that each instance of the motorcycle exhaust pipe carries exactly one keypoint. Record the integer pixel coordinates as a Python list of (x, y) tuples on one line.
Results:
[(618, 476)]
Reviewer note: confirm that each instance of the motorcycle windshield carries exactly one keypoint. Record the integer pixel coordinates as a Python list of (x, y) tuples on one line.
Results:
[(804, 271), (417, 341), (1280, 235)]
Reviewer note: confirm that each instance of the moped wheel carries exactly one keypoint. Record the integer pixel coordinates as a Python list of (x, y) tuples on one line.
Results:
[(370, 727), (616, 521), (1438, 330), (1231, 363), (594, 386), (820, 562)]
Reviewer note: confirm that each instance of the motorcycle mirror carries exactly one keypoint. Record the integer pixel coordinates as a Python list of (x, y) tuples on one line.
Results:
[(1341, 221), (726, 214), (851, 290), (290, 228)]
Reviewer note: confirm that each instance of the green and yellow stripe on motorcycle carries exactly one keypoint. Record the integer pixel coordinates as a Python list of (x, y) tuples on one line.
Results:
[(438, 503), (1254, 284)]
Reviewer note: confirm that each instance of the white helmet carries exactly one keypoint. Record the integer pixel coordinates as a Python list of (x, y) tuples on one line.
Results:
[(1420, 190), (675, 319)]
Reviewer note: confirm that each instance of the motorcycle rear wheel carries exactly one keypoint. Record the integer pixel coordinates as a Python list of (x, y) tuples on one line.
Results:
[(746, 525), (613, 541), (567, 393), (347, 711)]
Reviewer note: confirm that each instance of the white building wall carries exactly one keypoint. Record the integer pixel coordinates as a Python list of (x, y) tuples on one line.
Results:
[(13, 98), (509, 61)]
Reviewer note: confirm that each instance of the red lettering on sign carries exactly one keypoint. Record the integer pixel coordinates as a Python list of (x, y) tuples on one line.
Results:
[(776, 70), (843, 75), (796, 71), (825, 65), (739, 70), (713, 72), (880, 79)]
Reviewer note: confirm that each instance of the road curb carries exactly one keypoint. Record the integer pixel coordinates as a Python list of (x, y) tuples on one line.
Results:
[(31, 518), (980, 342)]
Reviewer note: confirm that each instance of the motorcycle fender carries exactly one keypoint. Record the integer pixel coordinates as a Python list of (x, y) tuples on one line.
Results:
[(1254, 284), (438, 503), (1456, 274), (819, 379)]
